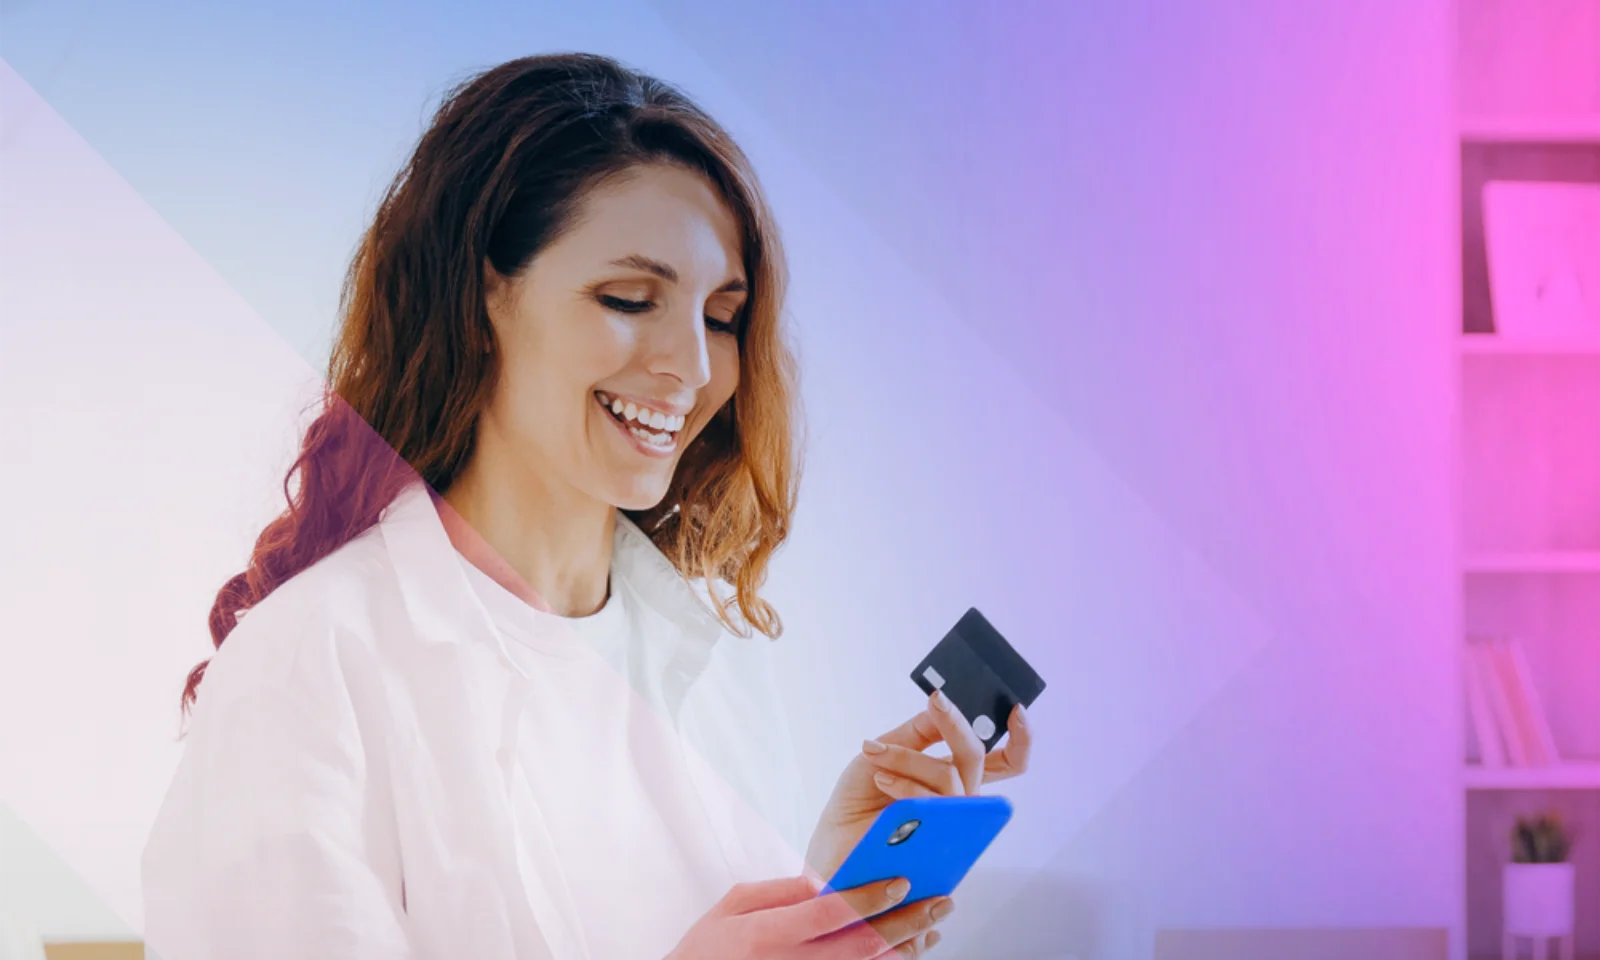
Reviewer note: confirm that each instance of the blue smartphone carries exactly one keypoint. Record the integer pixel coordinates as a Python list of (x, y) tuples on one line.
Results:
[(931, 841)]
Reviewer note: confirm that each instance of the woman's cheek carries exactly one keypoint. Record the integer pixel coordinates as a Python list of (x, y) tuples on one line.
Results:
[(724, 372)]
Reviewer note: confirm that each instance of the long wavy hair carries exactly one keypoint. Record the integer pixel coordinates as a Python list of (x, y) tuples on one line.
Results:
[(501, 171)]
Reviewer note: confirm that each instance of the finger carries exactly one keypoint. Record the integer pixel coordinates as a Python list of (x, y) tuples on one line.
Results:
[(935, 773), (917, 946), (966, 750), (820, 916), (912, 920), (882, 935), (918, 733), (1011, 760), (911, 948), (901, 788), (768, 894)]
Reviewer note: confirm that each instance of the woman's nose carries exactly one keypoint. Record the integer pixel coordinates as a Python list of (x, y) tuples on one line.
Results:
[(680, 349)]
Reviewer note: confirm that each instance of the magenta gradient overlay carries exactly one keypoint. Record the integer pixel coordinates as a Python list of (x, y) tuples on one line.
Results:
[(1129, 322)]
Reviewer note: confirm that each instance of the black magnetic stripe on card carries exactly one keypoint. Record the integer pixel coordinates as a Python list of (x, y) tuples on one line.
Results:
[(991, 646)]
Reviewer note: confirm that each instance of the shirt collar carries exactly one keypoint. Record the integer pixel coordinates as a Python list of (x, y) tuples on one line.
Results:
[(427, 567)]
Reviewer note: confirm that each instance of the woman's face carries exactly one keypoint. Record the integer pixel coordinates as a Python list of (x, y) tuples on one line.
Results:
[(618, 342)]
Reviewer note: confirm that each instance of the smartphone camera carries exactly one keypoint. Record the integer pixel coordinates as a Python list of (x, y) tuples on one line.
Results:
[(903, 832)]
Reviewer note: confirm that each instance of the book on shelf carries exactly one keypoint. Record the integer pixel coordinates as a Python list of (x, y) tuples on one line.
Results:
[(1521, 709), (1501, 716), (1539, 721), (1491, 748), (1507, 713)]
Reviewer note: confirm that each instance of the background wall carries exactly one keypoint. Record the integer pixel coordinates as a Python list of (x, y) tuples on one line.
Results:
[(1127, 322)]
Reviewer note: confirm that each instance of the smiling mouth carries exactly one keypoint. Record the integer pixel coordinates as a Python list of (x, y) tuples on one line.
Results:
[(656, 430)]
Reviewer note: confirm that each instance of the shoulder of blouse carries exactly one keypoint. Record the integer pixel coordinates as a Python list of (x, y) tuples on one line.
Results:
[(302, 627)]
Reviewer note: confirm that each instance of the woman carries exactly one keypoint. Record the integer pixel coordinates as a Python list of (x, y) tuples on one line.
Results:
[(490, 687)]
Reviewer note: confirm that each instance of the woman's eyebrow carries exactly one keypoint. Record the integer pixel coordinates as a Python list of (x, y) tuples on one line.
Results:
[(637, 262), (665, 272)]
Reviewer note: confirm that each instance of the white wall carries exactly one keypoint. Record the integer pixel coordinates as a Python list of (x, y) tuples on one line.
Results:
[(1215, 242), (148, 417), (1227, 545)]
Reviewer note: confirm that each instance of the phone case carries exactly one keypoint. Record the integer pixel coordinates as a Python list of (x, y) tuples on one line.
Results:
[(952, 832)]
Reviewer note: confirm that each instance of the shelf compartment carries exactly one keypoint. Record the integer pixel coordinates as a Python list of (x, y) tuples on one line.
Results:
[(1556, 620), (1490, 814), (1530, 445)]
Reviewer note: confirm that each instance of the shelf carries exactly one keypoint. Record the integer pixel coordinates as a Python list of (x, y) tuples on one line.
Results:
[(1488, 344), (1572, 775), (1498, 956), (1514, 129), (1533, 561)]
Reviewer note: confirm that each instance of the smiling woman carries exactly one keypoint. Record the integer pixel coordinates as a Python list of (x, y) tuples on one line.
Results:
[(608, 344), (489, 697)]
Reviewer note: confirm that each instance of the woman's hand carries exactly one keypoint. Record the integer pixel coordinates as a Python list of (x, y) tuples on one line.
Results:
[(894, 767), (786, 920)]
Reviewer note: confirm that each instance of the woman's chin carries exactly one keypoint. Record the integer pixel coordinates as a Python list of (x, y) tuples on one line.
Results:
[(639, 492)]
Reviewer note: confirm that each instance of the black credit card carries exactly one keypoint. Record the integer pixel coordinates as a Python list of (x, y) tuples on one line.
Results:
[(981, 674)]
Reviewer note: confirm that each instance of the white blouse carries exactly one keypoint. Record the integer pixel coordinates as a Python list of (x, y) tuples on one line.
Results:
[(388, 760), (641, 856)]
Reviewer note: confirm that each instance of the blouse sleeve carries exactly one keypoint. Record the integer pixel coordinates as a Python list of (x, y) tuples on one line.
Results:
[(743, 732), (270, 842)]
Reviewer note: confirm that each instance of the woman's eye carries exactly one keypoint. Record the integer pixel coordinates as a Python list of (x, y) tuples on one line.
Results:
[(626, 306)]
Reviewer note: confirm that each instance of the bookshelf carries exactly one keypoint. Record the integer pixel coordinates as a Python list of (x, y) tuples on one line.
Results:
[(1529, 454), (1515, 129), (1570, 775), (1488, 344), (1533, 561)]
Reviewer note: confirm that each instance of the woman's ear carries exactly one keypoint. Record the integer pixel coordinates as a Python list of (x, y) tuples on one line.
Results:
[(496, 288)]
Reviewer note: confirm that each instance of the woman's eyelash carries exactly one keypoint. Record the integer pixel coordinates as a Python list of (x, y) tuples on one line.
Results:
[(622, 305), (626, 306)]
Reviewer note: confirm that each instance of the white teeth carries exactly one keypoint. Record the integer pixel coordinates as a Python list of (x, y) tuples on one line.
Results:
[(644, 417), (663, 440)]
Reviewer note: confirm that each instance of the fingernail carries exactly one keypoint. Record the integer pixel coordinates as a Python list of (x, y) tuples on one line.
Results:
[(941, 701), (1022, 715), (883, 779), (941, 908), (872, 746), (932, 939), (898, 888)]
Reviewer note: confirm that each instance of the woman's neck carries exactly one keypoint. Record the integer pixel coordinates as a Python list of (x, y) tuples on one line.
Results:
[(551, 550)]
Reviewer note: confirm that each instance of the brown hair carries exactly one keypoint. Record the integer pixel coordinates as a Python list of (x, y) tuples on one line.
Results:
[(500, 173)]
